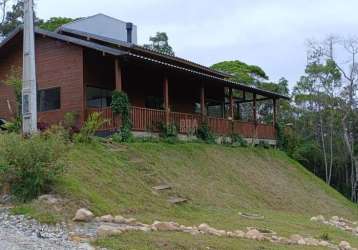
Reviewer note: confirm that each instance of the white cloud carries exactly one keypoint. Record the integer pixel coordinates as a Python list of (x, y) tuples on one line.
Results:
[(271, 34)]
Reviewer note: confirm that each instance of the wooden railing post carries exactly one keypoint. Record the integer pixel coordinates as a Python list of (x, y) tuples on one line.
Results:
[(202, 103), (274, 117), (118, 75), (166, 100)]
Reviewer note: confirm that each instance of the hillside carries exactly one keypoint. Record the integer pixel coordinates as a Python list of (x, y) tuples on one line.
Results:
[(218, 181)]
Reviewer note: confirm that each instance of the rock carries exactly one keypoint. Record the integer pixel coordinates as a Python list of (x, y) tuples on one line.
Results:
[(254, 234), (106, 218), (130, 221), (335, 218), (311, 241), (205, 228), (119, 219), (301, 242), (48, 199), (344, 245), (318, 218), (295, 238), (83, 215), (165, 226), (239, 234), (105, 231), (323, 243)]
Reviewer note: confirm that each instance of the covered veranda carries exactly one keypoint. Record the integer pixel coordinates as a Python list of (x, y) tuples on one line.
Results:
[(163, 93)]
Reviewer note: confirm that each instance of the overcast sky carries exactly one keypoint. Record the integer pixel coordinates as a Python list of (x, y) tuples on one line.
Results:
[(268, 33)]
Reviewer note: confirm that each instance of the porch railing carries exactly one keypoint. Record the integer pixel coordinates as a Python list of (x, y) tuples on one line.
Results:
[(144, 119)]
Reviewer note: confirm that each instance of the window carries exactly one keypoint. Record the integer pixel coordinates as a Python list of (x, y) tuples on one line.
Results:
[(98, 98), (48, 99)]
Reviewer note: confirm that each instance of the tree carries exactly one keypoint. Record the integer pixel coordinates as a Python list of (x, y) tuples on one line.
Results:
[(55, 22), (13, 17), (160, 43), (242, 72)]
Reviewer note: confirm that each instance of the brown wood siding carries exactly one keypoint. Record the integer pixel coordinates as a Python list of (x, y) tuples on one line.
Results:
[(59, 64)]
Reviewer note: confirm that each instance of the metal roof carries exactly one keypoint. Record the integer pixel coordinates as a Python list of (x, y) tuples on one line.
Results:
[(119, 52), (69, 39), (131, 46), (233, 84)]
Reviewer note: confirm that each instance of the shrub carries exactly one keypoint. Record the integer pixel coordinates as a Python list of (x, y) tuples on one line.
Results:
[(121, 106), (235, 140), (168, 131), (30, 166), (94, 123), (13, 126), (204, 133)]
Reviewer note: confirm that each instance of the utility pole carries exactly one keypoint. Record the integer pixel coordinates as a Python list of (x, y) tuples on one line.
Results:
[(29, 88)]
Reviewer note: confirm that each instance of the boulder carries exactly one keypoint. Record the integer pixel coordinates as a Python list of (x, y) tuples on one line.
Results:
[(239, 234), (335, 218), (106, 218), (344, 245), (295, 238), (165, 226), (254, 234), (83, 215), (318, 218), (205, 228), (105, 231), (48, 199), (323, 243), (311, 241), (130, 221), (119, 219)]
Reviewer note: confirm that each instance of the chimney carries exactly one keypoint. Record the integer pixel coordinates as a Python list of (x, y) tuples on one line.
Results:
[(129, 27)]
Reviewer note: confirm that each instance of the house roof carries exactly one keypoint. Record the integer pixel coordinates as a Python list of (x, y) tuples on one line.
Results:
[(101, 25), (136, 54)]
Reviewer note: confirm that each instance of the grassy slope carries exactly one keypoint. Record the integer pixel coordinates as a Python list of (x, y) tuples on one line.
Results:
[(219, 182)]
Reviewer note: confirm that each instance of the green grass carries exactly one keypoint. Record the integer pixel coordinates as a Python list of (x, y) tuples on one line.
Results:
[(219, 182)]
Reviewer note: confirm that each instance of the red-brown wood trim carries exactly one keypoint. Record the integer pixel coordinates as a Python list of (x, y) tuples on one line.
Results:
[(202, 101), (231, 104), (118, 77), (274, 118), (166, 99)]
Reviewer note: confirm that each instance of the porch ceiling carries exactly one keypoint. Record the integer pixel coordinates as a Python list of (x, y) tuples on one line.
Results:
[(227, 83)]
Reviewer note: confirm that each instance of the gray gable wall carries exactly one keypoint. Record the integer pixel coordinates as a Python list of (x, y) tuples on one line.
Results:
[(103, 26)]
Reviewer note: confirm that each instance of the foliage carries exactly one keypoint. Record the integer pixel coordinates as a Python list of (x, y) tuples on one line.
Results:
[(237, 141), (121, 106), (169, 131), (123, 135), (204, 133), (242, 72), (14, 17), (30, 166), (55, 22), (160, 43), (13, 126), (14, 80), (93, 123)]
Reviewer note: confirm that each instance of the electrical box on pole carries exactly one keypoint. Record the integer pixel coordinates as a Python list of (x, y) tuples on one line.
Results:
[(29, 85)]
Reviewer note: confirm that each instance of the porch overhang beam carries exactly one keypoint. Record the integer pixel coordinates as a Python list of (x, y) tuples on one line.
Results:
[(226, 83)]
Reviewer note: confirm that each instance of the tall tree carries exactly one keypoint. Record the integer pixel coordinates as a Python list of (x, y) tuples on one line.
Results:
[(160, 43), (55, 22), (242, 72)]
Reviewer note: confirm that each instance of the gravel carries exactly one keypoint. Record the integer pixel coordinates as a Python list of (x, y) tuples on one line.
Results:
[(20, 233)]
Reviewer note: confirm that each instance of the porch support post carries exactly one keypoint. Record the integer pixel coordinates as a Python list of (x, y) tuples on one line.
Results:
[(254, 109), (166, 99), (202, 102), (118, 75), (274, 117), (231, 104)]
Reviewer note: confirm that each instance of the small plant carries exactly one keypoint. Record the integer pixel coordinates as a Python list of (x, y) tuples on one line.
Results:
[(168, 131), (263, 144), (121, 106), (237, 141), (204, 133), (13, 126), (92, 125), (123, 135), (30, 166), (325, 236)]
